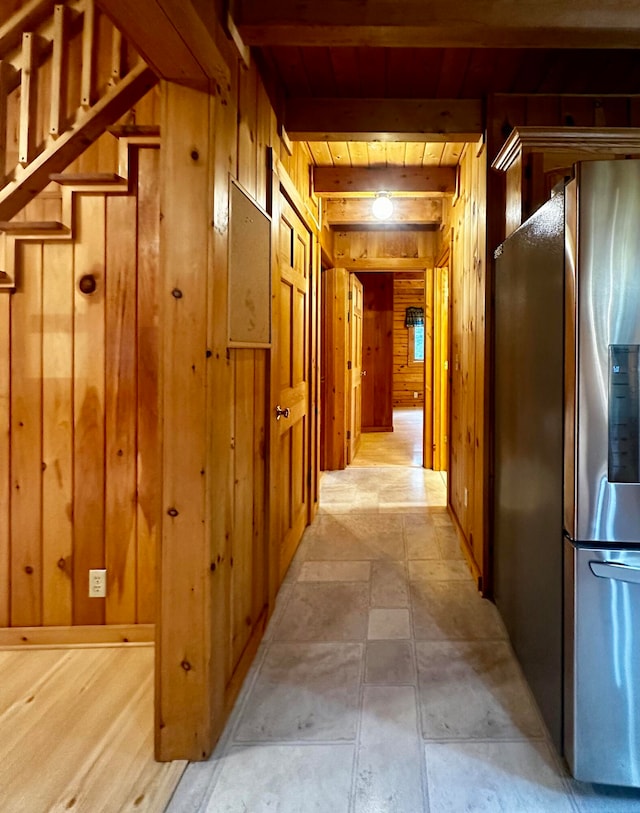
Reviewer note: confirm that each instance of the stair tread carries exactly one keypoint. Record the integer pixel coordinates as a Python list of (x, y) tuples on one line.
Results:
[(132, 130), (33, 227), (86, 178)]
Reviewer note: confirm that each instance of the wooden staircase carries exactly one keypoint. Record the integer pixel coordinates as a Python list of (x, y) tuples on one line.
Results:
[(48, 53), (121, 183)]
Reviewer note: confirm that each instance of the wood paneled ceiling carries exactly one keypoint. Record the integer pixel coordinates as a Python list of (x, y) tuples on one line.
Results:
[(450, 73), (384, 154)]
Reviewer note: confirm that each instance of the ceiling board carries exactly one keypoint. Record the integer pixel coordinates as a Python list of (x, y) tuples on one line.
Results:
[(465, 23), (385, 154), (451, 73)]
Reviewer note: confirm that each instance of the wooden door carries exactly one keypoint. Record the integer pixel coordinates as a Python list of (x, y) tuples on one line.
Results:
[(356, 293), (291, 357), (377, 352), (441, 369)]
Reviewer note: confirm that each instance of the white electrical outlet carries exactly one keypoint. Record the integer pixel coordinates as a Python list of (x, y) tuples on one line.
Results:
[(97, 583), (415, 394)]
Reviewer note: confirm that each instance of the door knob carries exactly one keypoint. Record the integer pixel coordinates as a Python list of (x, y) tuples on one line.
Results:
[(364, 372), (282, 413)]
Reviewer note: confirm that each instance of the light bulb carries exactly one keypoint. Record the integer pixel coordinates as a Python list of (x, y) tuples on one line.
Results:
[(382, 207)]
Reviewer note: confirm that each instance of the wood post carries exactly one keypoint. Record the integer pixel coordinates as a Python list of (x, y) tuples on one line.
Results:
[(187, 569)]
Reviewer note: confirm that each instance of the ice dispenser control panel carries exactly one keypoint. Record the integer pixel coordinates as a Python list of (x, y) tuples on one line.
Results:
[(624, 414)]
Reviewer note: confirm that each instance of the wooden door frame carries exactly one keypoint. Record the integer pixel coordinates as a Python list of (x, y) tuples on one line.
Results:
[(443, 261), (335, 405), (428, 406), (282, 185), (351, 448)]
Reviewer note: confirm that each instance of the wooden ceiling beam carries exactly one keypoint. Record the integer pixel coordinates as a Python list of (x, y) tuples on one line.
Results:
[(437, 120), (173, 39), (356, 211), (441, 23), (354, 181)]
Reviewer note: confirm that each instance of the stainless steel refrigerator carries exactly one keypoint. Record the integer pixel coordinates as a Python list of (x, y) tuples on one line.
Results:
[(566, 509)]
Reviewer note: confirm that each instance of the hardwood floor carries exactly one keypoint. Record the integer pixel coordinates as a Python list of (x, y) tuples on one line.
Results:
[(76, 732), (402, 447)]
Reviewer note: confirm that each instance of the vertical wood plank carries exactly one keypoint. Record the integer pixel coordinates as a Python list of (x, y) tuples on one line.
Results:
[(427, 371), (335, 365), (58, 71), (28, 100), (88, 54), (57, 440), (89, 391), (26, 440), (116, 57), (120, 408), (149, 441), (243, 486), (183, 708), (5, 457), (223, 124), (247, 129), (5, 71), (259, 575), (263, 137)]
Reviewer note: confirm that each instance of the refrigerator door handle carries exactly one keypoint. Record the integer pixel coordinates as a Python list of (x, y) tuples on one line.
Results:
[(614, 570)]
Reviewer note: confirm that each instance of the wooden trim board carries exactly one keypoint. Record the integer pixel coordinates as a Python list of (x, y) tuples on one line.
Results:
[(28, 637)]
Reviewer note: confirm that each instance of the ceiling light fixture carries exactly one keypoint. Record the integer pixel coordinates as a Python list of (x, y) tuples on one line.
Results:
[(382, 207)]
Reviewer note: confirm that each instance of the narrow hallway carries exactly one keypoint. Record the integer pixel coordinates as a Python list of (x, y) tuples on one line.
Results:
[(384, 684)]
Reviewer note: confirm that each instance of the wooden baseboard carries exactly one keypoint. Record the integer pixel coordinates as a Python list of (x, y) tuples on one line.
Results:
[(108, 635), (377, 429)]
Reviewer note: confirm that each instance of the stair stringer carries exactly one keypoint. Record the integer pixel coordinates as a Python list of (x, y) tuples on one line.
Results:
[(72, 185)]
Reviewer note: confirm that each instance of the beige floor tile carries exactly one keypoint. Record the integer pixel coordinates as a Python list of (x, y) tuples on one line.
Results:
[(304, 692), (452, 610), (440, 570), (386, 624), (389, 585), (355, 537), (473, 690), (389, 759), (390, 663), (335, 572), (422, 543), (325, 611), (449, 543), (492, 777), (284, 778)]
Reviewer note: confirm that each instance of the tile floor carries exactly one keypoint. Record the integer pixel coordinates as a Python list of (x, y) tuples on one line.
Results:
[(385, 684)]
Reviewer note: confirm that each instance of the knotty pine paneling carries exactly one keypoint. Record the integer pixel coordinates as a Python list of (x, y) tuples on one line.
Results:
[(377, 352), (206, 647), (469, 361), (408, 376), (84, 430)]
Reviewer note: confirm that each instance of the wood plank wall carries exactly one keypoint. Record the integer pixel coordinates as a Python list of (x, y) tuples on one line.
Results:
[(384, 250), (220, 496), (80, 389), (468, 433), (377, 352), (408, 375)]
